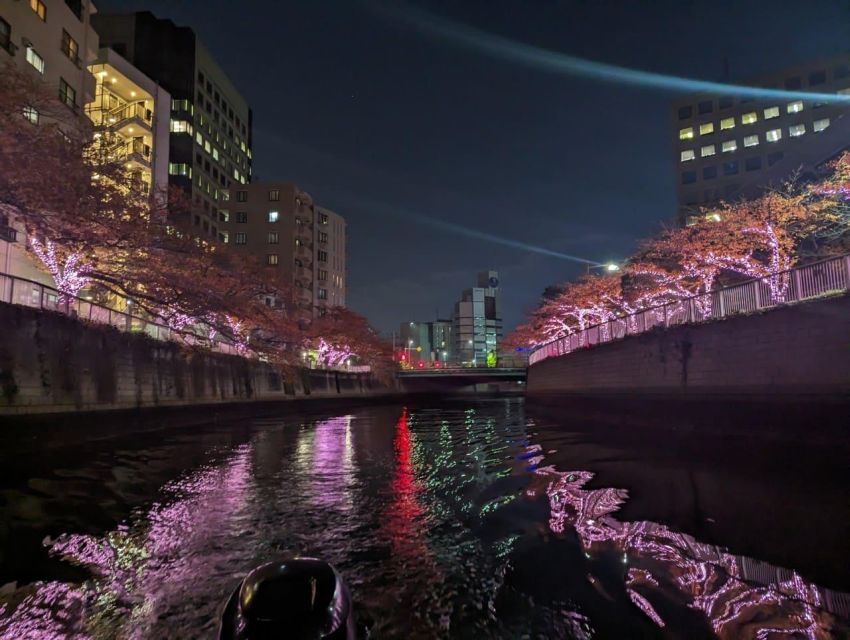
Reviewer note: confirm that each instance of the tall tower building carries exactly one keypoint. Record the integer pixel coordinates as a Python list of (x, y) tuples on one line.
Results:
[(477, 321), (278, 224), (210, 125), (728, 147)]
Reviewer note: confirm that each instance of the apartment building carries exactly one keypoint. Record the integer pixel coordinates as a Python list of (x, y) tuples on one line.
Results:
[(210, 124), (53, 40), (279, 224), (727, 146)]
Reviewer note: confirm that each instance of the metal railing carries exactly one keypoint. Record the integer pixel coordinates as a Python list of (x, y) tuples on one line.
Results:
[(29, 293), (827, 277)]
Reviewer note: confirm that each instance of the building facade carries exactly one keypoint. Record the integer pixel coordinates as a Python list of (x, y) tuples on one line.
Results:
[(728, 147), (53, 40), (477, 329), (211, 123), (131, 113), (279, 225)]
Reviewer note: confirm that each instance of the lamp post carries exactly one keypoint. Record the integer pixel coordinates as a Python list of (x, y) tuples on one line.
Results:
[(608, 267)]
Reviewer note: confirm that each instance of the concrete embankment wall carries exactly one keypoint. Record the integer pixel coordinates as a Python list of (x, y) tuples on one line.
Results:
[(796, 352), (51, 363)]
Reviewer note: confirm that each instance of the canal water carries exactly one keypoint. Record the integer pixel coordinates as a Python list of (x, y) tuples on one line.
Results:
[(450, 519)]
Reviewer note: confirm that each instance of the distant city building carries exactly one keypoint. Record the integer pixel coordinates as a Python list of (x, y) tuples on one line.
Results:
[(415, 342), (440, 332), (728, 147), (132, 113), (477, 321), (278, 224), (210, 145)]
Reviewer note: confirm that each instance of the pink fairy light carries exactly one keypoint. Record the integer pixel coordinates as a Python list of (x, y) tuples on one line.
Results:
[(69, 275)]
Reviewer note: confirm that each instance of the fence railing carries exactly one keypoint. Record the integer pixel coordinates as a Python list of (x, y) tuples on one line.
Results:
[(29, 293), (826, 277)]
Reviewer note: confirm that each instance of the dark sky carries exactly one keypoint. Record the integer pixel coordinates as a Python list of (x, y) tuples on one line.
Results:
[(382, 123)]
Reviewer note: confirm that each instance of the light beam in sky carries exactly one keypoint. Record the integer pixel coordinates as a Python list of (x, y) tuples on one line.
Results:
[(556, 62)]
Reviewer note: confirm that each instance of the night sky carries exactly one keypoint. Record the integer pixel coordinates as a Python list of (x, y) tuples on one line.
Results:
[(391, 126)]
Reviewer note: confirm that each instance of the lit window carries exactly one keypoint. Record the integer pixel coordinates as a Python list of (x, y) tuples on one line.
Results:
[(32, 115), (773, 135), (207, 146), (820, 125), (199, 139), (181, 126), (795, 107), (274, 216), (729, 145), (771, 112), (707, 150), (35, 60), (224, 237), (272, 259), (749, 118), (240, 237), (727, 123), (686, 134), (39, 8), (273, 237), (751, 141), (323, 294), (323, 217), (215, 154), (687, 154), (179, 169), (706, 128), (796, 130)]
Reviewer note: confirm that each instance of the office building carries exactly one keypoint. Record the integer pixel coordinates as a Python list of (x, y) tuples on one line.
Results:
[(730, 147), (477, 321), (210, 127), (131, 113), (440, 334), (278, 224)]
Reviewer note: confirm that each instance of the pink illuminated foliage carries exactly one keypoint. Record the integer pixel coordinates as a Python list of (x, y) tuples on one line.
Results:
[(69, 273)]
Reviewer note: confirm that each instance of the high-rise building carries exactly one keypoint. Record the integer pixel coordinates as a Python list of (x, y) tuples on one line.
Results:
[(278, 224), (131, 113), (477, 321), (440, 333), (728, 147), (210, 145)]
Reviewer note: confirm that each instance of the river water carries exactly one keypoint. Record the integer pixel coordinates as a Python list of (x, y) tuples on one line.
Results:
[(461, 519)]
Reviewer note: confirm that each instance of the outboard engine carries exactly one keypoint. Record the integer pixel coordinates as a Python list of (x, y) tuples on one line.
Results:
[(301, 598)]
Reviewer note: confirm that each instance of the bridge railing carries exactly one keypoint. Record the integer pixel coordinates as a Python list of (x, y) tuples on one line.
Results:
[(827, 277)]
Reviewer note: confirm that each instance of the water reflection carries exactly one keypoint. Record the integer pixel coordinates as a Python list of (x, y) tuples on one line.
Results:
[(454, 520), (740, 597)]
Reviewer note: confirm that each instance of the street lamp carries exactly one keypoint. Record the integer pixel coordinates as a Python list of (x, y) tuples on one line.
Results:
[(609, 267)]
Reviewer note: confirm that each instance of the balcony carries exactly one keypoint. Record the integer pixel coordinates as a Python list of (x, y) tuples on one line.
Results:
[(137, 151), (122, 119)]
